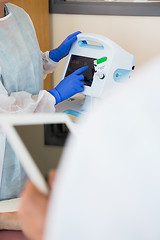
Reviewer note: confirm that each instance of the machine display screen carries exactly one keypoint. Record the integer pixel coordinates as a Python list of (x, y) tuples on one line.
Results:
[(78, 62)]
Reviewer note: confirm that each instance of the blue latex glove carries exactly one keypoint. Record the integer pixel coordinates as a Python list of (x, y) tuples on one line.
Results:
[(63, 50), (69, 86)]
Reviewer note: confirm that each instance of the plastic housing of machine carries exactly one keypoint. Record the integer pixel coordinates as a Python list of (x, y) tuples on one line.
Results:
[(116, 68)]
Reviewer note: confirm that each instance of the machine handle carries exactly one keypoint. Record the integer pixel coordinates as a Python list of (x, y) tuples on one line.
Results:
[(101, 41), (85, 44)]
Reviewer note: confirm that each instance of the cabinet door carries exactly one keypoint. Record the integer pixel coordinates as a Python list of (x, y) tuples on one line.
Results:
[(39, 13)]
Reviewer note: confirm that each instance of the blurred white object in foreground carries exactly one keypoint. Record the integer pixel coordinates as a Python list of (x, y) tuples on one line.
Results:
[(108, 185)]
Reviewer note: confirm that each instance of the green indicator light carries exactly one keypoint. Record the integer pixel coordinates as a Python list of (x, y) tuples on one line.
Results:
[(101, 60)]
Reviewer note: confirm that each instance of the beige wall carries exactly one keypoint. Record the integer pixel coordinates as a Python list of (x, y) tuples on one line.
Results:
[(138, 35)]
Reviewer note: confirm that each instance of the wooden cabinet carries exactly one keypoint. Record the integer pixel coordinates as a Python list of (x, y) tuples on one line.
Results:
[(39, 13)]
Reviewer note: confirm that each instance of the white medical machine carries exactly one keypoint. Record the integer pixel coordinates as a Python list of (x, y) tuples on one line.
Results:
[(109, 65)]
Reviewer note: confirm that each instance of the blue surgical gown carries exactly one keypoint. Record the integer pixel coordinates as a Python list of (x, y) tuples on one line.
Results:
[(22, 68)]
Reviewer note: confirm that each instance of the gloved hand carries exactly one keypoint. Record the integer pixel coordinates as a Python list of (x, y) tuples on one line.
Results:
[(69, 86), (63, 50)]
